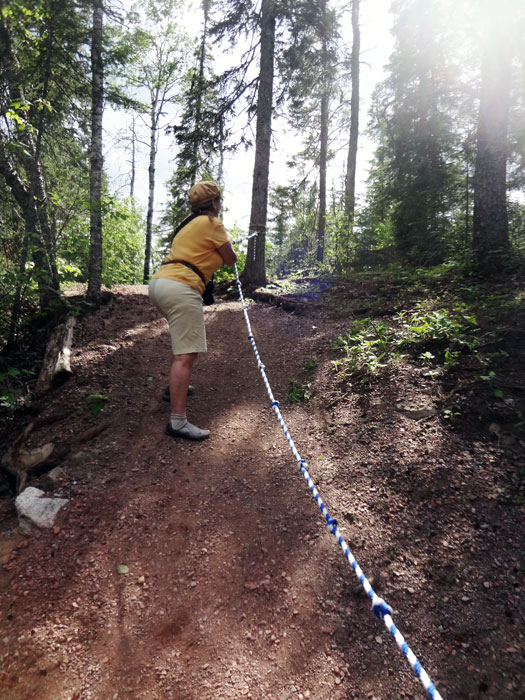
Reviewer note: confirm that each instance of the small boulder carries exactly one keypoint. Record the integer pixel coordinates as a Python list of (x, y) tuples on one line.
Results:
[(34, 508)]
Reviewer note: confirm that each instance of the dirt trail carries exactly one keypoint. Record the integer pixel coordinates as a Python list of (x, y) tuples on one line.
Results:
[(233, 587)]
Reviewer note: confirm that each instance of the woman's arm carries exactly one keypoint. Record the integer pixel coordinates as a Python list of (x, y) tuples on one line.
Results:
[(227, 253)]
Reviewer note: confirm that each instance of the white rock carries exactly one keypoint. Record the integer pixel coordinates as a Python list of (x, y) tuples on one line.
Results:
[(34, 508)]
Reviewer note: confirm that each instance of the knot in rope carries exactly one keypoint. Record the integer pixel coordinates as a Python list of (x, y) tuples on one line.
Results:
[(331, 524), (380, 608)]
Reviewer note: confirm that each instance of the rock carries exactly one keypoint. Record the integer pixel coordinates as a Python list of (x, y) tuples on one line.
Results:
[(34, 508), (21, 459), (80, 458), (417, 413), (55, 474)]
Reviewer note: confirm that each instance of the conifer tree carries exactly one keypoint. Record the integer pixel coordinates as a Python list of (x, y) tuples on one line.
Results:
[(96, 158), (351, 164), (413, 116), (200, 132), (255, 268), (310, 67), (491, 228)]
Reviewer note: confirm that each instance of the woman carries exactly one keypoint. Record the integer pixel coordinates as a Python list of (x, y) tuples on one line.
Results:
[(199, 248)]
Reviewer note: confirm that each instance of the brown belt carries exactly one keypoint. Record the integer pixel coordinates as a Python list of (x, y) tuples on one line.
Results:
[(189, 265)]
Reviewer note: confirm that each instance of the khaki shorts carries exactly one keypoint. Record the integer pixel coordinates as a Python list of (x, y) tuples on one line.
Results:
[(181, 306)]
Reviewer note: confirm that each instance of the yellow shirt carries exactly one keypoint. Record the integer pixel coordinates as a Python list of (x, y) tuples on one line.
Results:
[(196, 243)]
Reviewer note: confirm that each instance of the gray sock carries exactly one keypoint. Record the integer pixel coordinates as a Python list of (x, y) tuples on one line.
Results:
[(180, 422)]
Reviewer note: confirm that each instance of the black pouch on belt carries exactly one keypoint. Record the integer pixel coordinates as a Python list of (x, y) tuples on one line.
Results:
[(207, 295)]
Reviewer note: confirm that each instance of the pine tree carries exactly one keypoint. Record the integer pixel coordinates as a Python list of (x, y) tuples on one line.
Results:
[(351, 165), (310, 69), (200, 132), (413, 115), (491, 228), (96, 158), (255, 268)]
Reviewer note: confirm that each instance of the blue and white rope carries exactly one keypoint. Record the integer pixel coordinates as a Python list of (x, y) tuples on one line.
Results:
[(246, 238), (379, 607)]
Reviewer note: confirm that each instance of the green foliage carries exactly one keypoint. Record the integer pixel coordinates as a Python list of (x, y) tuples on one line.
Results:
[(369, 346), (122, 247), (451, 413), (364, 347), (123, 244), (13, 389), (310, 364), (96, 402), (427, 323), (294, 241), (416, 180), (227, 272), (298, 393)]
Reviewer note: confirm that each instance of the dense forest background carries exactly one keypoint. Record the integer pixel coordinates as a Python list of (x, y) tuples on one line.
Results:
[(446, 181)]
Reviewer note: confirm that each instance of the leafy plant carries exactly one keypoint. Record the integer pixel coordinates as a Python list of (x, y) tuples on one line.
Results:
[(96, 402), (427, 357), (451, 413), (364, 345), (310, 364), (496, 359), (13, 389), (451, 358), (434, 324), (368, 346), (298, 392)]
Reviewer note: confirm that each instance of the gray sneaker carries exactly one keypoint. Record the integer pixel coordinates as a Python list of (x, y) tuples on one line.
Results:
[(188, 431)]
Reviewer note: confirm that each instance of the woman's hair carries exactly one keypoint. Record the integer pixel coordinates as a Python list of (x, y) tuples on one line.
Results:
[(205, 208)]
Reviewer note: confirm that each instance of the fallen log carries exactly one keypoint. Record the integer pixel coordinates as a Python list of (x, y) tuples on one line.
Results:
[(56, 366), (18, 462)]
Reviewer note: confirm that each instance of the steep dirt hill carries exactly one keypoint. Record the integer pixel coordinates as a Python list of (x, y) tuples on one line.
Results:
[(204, 572)]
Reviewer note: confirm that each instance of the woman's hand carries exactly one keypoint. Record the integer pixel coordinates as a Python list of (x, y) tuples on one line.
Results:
[(227, 253)]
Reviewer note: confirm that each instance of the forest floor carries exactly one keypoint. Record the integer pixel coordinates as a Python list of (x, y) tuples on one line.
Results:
[(185, 571)]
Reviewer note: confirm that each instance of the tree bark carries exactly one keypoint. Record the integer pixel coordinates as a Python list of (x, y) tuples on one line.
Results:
[(133, 159), (153, 140), (321, 224), (323, 151), (490, 221), (255, 269), (96, 158), (354, 116), (56, 365)]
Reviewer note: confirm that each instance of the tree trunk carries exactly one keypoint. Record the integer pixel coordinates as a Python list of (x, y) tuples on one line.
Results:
[(255, 269), (323, 151), (490, 221), (321, 224), (354, 116), (151, 185), (133, 158), (96, 159)]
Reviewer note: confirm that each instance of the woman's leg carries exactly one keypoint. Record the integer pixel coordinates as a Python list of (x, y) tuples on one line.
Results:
[(180, 373)]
